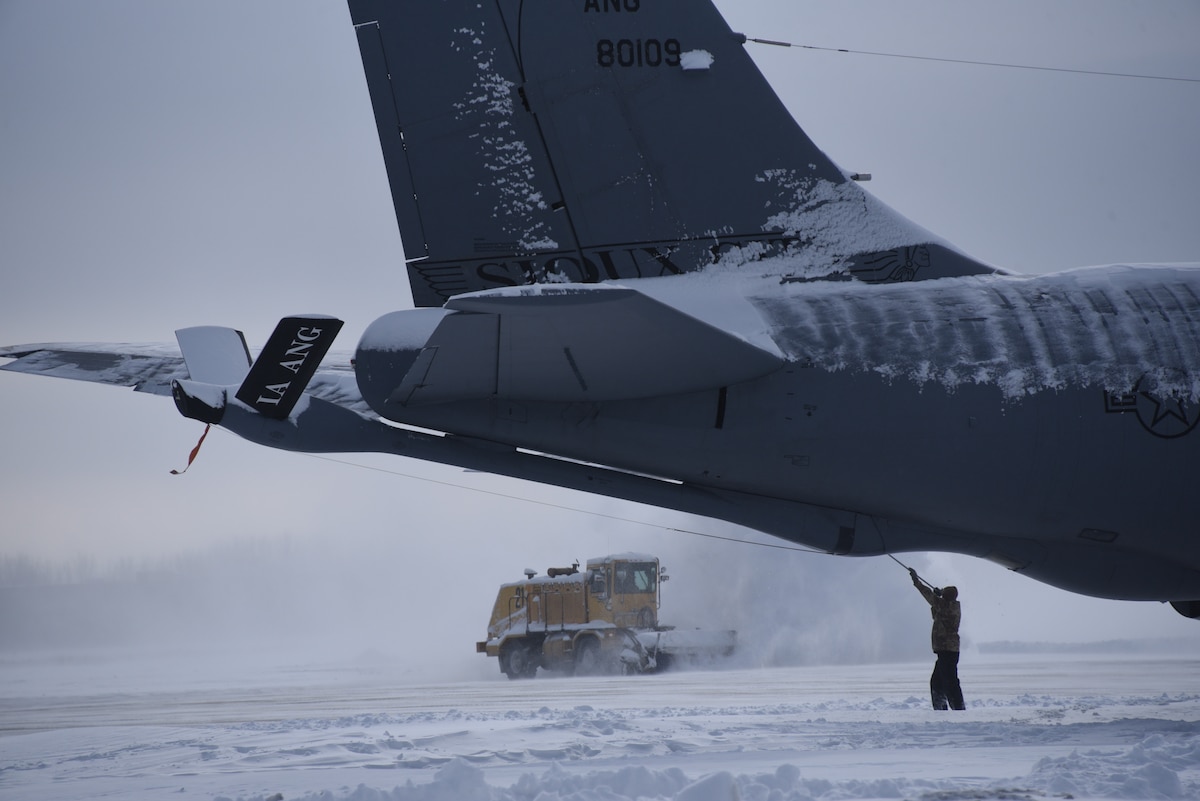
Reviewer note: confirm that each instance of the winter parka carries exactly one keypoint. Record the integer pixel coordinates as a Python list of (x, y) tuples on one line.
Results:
[(946, 616)]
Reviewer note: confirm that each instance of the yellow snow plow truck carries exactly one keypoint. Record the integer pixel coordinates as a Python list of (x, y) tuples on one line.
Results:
[(603, 620)]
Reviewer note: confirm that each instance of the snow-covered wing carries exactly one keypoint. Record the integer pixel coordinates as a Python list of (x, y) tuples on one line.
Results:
[(152, 367), (144, 367), (335, 382)]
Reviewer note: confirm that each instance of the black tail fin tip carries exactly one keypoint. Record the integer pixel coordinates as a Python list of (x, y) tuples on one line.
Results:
[(289, 360), (531, 142)]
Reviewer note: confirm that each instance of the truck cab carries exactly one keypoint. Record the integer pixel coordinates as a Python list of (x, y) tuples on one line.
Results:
[(623, 590)]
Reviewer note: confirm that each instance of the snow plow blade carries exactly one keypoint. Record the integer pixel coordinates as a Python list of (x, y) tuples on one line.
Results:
[(660, 649), (683, 642)]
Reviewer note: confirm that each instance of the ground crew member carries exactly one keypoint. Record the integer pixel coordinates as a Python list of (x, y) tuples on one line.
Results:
[(944, 688)]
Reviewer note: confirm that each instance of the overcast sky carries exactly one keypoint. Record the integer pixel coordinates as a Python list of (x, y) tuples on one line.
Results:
[(175, 164)]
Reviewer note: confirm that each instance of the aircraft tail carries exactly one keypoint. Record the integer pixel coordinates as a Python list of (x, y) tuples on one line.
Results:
[(529, 141), (271, 386)]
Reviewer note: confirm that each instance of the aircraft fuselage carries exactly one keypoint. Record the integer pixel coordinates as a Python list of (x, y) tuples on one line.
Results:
[(996, 417)]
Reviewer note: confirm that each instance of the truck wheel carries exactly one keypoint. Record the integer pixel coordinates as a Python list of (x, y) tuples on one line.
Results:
[(515, 661), (588, 659)]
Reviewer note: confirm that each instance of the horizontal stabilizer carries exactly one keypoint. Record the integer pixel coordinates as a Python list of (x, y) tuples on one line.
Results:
[(146, 368), (153, 368), (574, 343), (287, 363), (214, 354)]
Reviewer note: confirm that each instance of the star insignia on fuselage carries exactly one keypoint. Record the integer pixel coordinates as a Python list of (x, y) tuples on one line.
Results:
[(1166, 417)]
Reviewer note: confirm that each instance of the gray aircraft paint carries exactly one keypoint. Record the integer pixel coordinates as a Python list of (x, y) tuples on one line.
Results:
[(869, 389), (566, 142)]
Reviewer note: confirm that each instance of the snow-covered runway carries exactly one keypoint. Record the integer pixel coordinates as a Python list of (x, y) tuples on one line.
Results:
[(1036, 726)]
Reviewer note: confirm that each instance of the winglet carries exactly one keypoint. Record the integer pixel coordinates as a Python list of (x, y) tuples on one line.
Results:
[(214, 354), (287, 363)]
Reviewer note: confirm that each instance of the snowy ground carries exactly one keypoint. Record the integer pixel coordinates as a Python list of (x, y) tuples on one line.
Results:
[(165, 725)]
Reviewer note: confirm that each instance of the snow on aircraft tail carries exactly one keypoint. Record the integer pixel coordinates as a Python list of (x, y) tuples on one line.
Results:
[(531, 141)]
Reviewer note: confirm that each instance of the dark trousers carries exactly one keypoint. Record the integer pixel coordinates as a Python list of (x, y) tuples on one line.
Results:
[(943, 684)]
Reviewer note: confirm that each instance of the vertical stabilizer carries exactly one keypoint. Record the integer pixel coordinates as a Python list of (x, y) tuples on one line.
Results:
[(288, 361), (533, 141)]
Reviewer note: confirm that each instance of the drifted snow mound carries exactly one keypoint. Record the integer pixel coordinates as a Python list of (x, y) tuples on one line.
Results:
[(1148, 770)]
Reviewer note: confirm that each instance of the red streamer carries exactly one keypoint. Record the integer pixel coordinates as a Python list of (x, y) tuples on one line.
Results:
[(195, 450)]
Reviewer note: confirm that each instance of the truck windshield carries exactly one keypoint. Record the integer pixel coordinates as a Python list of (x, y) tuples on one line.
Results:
[(635, 577)]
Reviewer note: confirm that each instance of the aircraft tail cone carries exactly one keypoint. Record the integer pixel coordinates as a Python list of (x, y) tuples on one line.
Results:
[(197, 401)]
